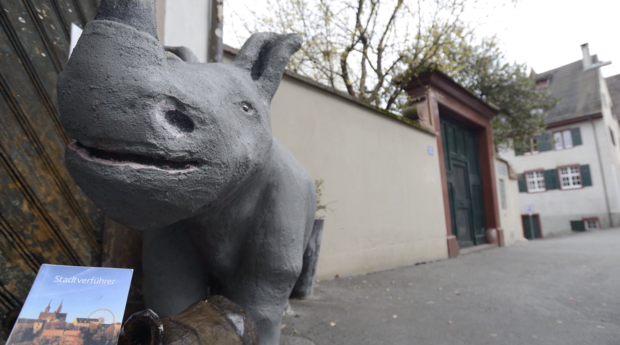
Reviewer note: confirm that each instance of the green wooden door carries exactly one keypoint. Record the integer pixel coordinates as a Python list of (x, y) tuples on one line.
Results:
[(464, 184), (531, 227), (44, 216)]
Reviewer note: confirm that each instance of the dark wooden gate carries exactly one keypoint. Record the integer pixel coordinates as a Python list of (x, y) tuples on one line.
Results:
[(531, 226), (464, 183), (44, 216)]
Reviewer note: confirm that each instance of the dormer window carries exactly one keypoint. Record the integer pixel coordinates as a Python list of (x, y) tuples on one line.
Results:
[(541, 83)]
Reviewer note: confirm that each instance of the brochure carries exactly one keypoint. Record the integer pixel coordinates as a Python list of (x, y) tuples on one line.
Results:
[(70, 305)]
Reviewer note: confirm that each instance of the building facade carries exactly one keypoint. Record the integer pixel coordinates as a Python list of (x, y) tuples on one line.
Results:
[(568, 177)]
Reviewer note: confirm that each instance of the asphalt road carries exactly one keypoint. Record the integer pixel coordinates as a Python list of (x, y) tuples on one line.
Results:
[(552, 291)]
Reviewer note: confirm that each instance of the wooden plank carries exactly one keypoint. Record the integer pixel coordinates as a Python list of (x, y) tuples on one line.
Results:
[(29, 111), (68, 12), (44, 215), (51, 28)]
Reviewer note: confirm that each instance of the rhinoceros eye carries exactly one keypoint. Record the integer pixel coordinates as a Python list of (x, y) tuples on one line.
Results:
[(247, 107)]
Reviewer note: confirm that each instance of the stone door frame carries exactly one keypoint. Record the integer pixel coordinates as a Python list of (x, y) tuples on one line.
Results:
[(435, 94)]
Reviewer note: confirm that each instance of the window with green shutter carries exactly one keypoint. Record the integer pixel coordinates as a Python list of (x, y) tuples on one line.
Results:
[(576, 134), (586, 177), (570, 177), (551, 179), (545, 142), (577, 225), (535, 181), (529, 148), (522, 186), (563, 139)]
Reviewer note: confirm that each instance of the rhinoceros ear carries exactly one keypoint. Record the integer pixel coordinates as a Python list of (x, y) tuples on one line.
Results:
[(265, 55)]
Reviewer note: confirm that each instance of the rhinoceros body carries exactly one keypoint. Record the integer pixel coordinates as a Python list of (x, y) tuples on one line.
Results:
[(184, 151)]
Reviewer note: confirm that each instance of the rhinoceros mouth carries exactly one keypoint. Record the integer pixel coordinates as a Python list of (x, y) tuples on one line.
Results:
[(132, 159)]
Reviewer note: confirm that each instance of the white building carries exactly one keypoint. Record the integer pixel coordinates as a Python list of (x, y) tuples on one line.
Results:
[(568, 179)]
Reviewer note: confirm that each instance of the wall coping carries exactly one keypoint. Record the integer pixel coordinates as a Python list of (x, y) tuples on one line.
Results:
[(377, 111), (438, 80), (512, 175)]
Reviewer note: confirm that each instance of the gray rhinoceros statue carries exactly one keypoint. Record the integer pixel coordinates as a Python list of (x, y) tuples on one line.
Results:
[(184, 151)]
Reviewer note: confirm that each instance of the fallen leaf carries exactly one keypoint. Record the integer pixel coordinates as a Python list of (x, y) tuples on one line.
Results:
[(449, 322), (363, 282), (297, 315), (282, 327), (294, 331), (333, 324), (337, 276), (366, 297), (394, 316), (388, 289), (447, 298), (560, 321), (493, 335)]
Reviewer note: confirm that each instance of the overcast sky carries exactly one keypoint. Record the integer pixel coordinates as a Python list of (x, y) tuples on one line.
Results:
[(545, 34)]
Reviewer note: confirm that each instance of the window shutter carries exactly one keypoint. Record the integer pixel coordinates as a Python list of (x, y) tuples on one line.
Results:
[(551, 179), (522, 187), (545, 142), (577, 225), (586, 178), (576, 134)]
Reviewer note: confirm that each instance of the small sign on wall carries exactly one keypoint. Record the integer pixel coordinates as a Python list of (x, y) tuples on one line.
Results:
[(430, 150), (530, 210)]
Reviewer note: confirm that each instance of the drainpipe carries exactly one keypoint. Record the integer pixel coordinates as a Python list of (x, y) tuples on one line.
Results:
[(600, 164), (215, 46)]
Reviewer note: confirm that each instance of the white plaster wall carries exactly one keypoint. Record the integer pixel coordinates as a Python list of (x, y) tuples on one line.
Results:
[(186, 24), (383, 187), (558, 207), (510, 217), (610, 153)]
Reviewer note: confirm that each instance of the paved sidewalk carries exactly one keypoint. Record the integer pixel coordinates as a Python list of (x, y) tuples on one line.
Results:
[(553, 291)]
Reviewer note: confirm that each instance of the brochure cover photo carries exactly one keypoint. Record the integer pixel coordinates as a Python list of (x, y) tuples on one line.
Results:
[(70, 305)]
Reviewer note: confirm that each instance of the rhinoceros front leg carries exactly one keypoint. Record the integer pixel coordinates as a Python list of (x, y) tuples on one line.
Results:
[(174, 275), (264, 295)]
